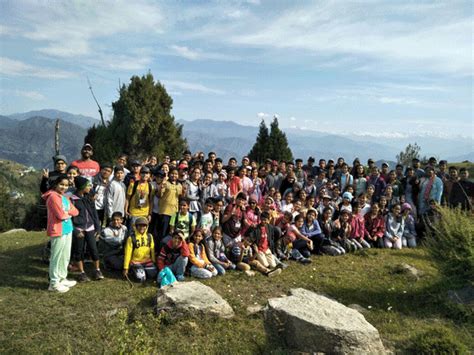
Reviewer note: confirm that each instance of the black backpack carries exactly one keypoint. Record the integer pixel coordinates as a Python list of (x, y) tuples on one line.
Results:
[(136, 244)]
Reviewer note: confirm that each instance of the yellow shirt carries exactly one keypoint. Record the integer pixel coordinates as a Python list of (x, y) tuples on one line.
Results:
[(139, 203), (143, 253), (169, 198)]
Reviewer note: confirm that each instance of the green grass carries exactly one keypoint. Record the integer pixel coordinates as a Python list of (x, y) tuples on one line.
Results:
[(36, 321)]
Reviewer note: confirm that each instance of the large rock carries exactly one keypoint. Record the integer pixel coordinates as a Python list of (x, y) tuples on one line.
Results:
[(192, 298), (13, 231), (309, 322)]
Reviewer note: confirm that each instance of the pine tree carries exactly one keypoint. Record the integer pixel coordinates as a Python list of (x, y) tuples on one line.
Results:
[(412, 151), (278, 144), (142, 124), (260, 151)]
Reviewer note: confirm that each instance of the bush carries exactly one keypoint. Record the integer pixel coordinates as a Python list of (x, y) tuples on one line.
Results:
[(437, 341), (451, 244)]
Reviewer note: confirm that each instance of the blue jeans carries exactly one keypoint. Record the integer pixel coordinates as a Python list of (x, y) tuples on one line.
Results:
[(178, 267)]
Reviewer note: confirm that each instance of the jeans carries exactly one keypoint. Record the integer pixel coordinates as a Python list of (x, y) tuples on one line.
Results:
[(202, 273), (178, 267), (409, 240), (59, 259)]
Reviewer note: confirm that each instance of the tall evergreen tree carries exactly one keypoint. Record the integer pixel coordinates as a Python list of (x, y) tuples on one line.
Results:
[(142, 124), (278, 144), (260, 151)]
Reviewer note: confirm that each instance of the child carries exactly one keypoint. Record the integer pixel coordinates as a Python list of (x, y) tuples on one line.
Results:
[(183, 221), (100, 183), (201, 267), (115, 194), (221, 185), (277, 201), (72, 172), (358, 231), (207, 221), (174, 254), (193, 193), (409, 233), (329, 228), (86, 228), (169, 192), (287, 204), (59, 230), (140, 252), (375, 226), (216, 252), (139, 202), (394, 227), (111, 242), (364, 206), (312, 230), (343, 232)]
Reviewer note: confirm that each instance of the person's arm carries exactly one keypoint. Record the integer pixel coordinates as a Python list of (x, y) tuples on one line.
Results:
[(127, 255), (192, 257), (210, 245), (55, 207), (300, 235), (172, 223)]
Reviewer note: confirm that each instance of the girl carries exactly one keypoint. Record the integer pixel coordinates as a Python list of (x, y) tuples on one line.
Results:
[(59, 230), (397, 189), (86, 228), (221, 186), (346, 178), (409, 233), (312, 230), (287, 204), (360, 182), (328, 228), (383, 204), (216, 252), (431, 188), (301, 242), (343, 232), (358, 231), (72, 172), (394, 228), (251, 215), (193, 193), (375, 226), (201, 267), (370, 193), (257, 185)]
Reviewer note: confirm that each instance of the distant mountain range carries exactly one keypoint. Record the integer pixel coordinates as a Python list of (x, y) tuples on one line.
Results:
[(28, 138)]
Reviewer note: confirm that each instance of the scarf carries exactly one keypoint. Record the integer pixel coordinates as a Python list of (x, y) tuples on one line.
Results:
[(429, 186)]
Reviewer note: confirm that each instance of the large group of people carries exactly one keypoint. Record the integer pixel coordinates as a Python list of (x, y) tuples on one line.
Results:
[(199, 217)]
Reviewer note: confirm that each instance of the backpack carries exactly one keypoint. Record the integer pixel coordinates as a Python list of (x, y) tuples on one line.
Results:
[(134, 190), (135, 242), (190, 217)]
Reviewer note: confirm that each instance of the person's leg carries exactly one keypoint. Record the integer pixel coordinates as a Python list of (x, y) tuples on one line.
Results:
[(151, 271), (270, 259), (357, 244), (243, 266), (65, 256), (397, 244), (387, 243), (57, 248), (220, 269), (200, 272), (114, 262), (411, 241), (364, 243), (179, 266), (404, 242), (78, 251), (94, 253), (258, 266), (262, 259)]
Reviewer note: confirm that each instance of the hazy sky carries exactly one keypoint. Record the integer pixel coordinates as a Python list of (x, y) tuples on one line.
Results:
[(362, 66)]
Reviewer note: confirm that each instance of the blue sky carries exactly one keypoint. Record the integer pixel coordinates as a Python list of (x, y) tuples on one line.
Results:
[(379, 67)]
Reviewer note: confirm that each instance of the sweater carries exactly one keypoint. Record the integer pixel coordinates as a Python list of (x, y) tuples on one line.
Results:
[(214, 248), (169, 254), (60, 210), (115, 198), (197, 255)]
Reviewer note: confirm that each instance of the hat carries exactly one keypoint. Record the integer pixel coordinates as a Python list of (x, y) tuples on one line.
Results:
[(312, 210), (406, 206), (370, 161), (87, 145), (135, 163), (59, 157), (326, 196), (81, 182), (182, 166), (144, 169), (222, 172), (347, 196), (106, 165), (141, 220)]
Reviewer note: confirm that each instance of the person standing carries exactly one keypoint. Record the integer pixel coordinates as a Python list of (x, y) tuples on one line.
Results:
[(88, 168)]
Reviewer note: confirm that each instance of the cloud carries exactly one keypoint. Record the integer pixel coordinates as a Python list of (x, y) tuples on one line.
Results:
[(32, 95), (292, 118), (263, 115), (198, 54), (11, 67), (397, 100), (134, 59), (188, 86), (185, 52)]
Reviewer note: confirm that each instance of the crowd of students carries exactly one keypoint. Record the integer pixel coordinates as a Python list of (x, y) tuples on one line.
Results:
[(196, 216)]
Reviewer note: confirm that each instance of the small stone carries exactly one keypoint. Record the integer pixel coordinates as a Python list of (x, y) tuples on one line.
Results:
[(254, 309)]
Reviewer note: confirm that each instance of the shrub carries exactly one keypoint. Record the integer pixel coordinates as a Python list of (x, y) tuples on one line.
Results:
[(437, 341), (451, 244)]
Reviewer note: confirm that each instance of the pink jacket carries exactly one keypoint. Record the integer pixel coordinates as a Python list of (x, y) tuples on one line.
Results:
[(56, 214)]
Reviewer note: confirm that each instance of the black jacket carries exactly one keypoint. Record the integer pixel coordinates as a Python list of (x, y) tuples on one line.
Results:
[(86, 207), (273, 235)]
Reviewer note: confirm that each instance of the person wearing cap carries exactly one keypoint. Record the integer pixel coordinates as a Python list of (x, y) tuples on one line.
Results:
[(86, 229), (134, 174), (60, 165), (139, 253), (174, 254), (99, 185), (346, 205), (115, 194), (87, 167), (409, 232), (139, 202)]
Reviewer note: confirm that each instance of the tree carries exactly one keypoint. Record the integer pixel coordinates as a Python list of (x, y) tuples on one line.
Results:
[(7, 217), (278, 148), (142, 124), (411, 152), (260, 151)]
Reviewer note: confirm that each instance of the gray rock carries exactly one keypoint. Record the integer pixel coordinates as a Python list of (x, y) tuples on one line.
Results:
[(12, 231), (308, 322), (358, 308), (407, 269), (192, 298), (254, 309)]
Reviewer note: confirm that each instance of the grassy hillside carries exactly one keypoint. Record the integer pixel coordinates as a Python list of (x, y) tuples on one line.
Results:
[(110, 317)]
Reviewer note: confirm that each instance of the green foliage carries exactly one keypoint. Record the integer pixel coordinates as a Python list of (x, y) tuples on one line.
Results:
[(6, 216), (260, 150), (142, 124), (278, 148), (412, 151), (451, 244), (438, 341)]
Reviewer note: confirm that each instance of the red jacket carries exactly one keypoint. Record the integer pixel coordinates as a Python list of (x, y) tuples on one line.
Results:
[(375, 227), (168, 254), (56, 213), (358, 227)]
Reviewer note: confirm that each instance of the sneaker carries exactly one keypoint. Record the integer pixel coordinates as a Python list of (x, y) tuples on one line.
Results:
[(83, 277), (305, 261), (98, 275), (249, 273), (274, 272), (68, 283), (58, 288), (180, 278)]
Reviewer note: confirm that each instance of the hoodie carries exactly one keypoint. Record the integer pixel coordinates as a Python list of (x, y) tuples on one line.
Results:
[(141, 253), (60, 210)]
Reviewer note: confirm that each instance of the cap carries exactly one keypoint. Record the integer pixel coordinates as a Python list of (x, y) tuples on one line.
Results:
[(144, 169), (326, 196), (347, 196), (182, 166), (87, 145), (59, 157), (223, 173), (142, 221), (135, 163)]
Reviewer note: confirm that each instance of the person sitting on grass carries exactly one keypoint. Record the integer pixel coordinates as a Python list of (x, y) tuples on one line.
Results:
[(216, 252), (201, 267), (394, 227), (174, 254), (409, 233), (140, 252), (111, 242), (86, 229), (59, 230), (329, 230), (358, 231), (312, 230), (375, 226)]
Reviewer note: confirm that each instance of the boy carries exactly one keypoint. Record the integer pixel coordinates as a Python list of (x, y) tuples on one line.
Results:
[(100, 183), (174, 254), (115, 194), (183, 221), (139, 201), (207, 221), (112, 241)]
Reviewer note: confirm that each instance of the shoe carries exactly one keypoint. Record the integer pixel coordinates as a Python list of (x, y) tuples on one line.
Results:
[(72, 268), (274, 272), (282, 266), (180, 278), (58, 288), (68, 283), (98, 275), (305, 261), (249, 273), (83, 277)]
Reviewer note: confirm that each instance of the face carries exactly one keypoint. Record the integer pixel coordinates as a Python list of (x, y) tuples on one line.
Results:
[(218, 206), (389, 190), (167, 159), (299, 222), (106, 172), (153, 161), (232, 163), (327, 215), (219, 166), (62, 186), (340, 161), (375, 172), (302, 195), (310, 202), (297, 206), (268, 203), (208, 207), (212, 156), (86, 152), (145, 176), (393, 175), (322, 164), (410, 173), (60, 165), (141, 228), (289, 197), (385, 169), (165, 168), (119, 175), (71, 174), (299, 164), (196, 174), (399, 170), (464, 175), (122, 161), (197, 237), (264, 221), (345, 217), (242, 172), (345, 169), (416, 164), (174, 175), (350, 189), (277, 196), (311, 216), (360, 169), (253, 204), (87, 189), (208, 179), (375, 209), (254, 173), (383, 201), (240, 202), (396, 210), (217, 235), (208, 166), (176, 241), (183, 207), (136, 169), (116, 222)]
